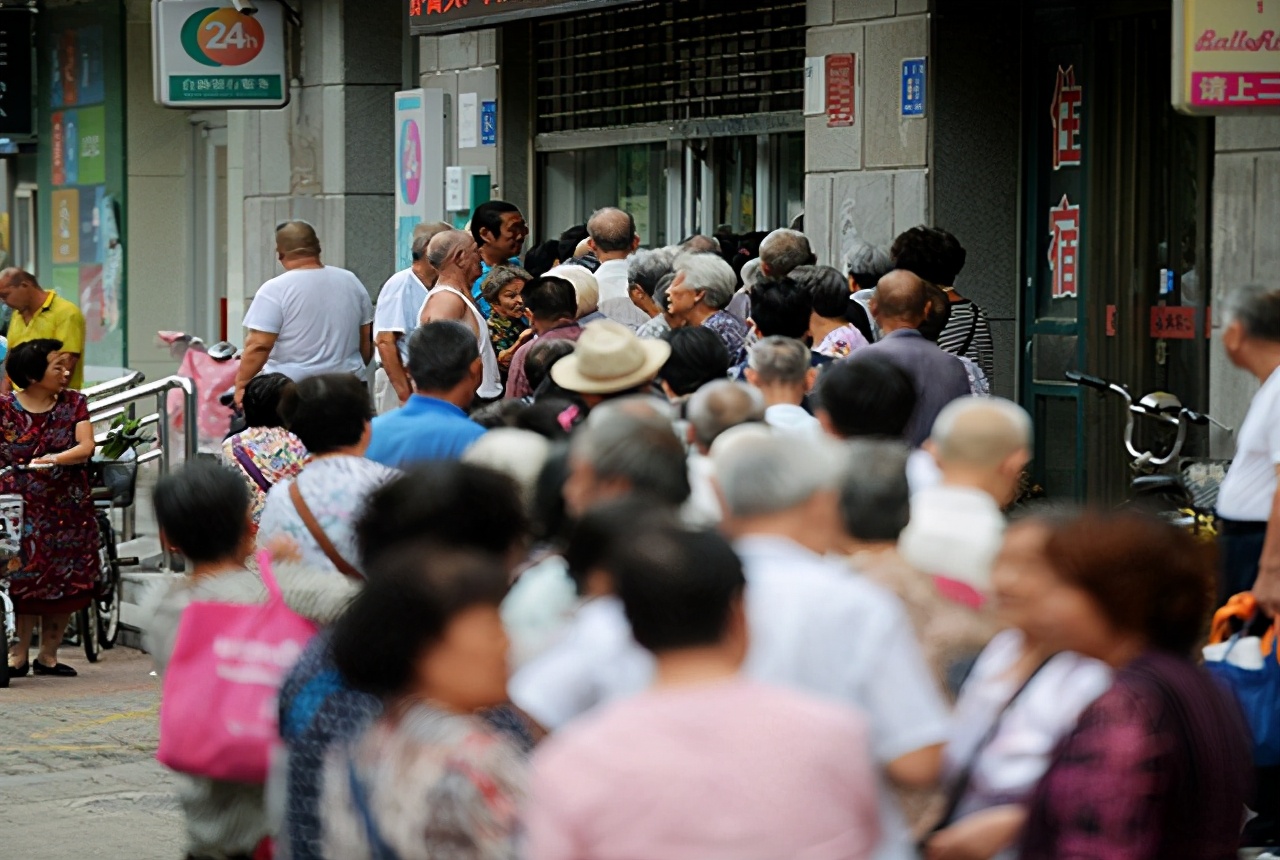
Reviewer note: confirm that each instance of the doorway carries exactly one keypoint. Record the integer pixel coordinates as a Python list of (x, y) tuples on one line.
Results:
[(207, 316)]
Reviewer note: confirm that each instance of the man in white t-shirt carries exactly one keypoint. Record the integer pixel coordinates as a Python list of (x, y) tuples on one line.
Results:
[(818, 628), (395, 316), (312, 319), (1248, 501), (612, 237), (455, 256)]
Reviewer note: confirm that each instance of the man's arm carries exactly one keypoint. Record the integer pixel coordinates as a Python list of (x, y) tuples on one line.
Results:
[(366, 342), (257, 349), (1267, 587), (389, 352)]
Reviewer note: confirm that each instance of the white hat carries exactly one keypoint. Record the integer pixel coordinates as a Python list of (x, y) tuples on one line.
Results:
[(610, 358)]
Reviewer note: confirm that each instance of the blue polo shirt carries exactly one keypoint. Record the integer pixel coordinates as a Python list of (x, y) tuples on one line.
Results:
[(422, 430)]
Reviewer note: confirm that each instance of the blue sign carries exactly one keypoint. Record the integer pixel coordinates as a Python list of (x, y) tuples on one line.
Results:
[(489, 123), (913, 87)]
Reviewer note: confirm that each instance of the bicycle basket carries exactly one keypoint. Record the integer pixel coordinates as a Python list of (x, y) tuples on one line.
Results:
[(118, 476)]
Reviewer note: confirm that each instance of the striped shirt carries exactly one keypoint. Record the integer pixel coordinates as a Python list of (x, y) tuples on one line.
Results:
[(967, 318)]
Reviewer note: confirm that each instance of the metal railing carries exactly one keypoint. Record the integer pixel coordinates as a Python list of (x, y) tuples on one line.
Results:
[(119, 403), (111, 386)]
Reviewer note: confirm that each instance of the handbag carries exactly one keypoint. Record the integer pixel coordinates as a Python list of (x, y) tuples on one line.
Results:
[(218, 714), (1249, 667), (250, 468)]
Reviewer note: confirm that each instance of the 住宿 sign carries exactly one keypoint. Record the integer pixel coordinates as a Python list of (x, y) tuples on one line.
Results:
[(1226, 56), (207, 54)]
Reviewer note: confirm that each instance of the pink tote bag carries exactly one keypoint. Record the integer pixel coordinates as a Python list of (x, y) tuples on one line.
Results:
[(218, 706)]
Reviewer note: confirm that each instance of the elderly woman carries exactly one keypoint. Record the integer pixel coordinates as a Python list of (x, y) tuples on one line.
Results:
[(704, 285), (314, 510), (508, 328), (46, 424), (833, 335), (1159, 765), (265, 453), (429, 778), (865, 265)]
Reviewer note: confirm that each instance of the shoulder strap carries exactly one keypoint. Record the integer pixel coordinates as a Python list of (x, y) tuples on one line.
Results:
[(378, 847), (322, 540), (267, 575), (973, 330), (250, 468)]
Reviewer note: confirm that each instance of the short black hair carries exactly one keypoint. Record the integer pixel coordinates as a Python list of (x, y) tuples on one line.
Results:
[(441, 354), (262, 400), (867, 395), (327, 412), (450, 503), (570, 240), (781, 308), (678, 586), (412, 595), (541, 356), (28, 362), (828, 290), (698, 356), (550, 298), (593, 538), (932, 254), (542, 258), (488, 216), (937, 312), (202, 509)]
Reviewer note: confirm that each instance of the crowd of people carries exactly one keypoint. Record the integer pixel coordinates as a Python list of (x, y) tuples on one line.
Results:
[(702, 551)]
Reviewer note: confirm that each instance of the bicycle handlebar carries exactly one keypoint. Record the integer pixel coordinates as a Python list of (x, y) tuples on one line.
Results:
[(27, 467), (1085, 379)]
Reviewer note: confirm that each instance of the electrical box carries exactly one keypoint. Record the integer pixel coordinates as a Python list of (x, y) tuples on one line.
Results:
[(465, 188)]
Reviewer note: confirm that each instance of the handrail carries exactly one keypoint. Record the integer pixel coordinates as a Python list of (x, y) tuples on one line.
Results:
[(112, 385)]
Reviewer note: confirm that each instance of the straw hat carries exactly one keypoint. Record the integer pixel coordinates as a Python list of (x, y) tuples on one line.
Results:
[(610, 358)]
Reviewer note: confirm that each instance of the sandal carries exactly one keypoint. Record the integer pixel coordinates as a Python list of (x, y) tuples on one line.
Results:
[(19, 671), (60, 670)]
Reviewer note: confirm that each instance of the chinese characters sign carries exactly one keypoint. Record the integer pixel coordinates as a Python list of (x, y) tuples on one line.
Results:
[(913, 77), (841, 74), (1066, 112), (1226, 56), (210, 55), (1064, 244), (444, 16), (1173, 323)]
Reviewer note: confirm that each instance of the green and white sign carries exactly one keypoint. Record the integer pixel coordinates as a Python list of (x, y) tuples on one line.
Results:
[(207, 54)]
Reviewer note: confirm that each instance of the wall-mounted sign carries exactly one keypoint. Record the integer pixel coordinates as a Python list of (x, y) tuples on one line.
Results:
[(1173, 323), (17, 77), (1226, 56), (1065, 113), (913, 77), (446, 16), (419, 160), (841, 72), (1064, 243), (206, 54), (489, 123)]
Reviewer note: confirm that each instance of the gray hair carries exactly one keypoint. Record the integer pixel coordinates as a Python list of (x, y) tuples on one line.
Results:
[(784, 250), (1257, 308), (500, 277), (646, 267), (751, 272), (760, 475), (443, 244), (980, 432), (660, 291), (870, 260), (720, 405), (777, 359), (633, 440), (710, 275), (422, 236), (697, 244), (875, 498), (518, 453)]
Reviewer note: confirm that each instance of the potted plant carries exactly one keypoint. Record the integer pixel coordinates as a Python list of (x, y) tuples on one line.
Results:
[(116, 460)]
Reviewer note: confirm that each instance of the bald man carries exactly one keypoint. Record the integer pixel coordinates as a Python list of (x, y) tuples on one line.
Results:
[(612, 237), (312, 319), (456, 257), (981, 444), (41, 313), (396, 316), (899, 307)]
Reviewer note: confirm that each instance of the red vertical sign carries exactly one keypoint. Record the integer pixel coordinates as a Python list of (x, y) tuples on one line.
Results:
[(1064, 249), (841, 76), (1065, 113)]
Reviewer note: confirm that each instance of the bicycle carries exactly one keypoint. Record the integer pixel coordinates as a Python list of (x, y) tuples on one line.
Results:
[(1154, 488)]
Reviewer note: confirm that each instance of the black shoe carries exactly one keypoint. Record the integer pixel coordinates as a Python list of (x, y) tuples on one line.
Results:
[(19, 671), (61, 670)]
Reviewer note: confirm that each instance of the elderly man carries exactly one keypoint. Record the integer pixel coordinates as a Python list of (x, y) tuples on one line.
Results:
[(982, 444), (645, 269), (446, 369), (781, 368), (41, 314), (552, 304), (454, 255), (714, 409), (499, 231), (816, 627), (1249, 499), (613, 238), (782, 251), (609, 362), (395, 316), (312, 319), (703, 286), (899, 308)]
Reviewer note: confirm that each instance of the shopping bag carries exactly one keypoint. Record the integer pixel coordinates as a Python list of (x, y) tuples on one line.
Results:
[(218, 702), (1249, 666)]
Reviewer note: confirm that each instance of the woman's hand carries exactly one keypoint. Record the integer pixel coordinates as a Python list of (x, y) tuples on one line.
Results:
[(979, 836), (46, 460)]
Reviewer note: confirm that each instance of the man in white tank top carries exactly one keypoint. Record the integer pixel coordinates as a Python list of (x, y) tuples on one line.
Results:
[(455, 256)]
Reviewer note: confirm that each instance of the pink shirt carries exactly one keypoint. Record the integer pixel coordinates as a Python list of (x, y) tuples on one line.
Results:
[(736, 770)]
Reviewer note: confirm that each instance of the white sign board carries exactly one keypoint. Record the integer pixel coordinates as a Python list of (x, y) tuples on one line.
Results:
[(468, 121), (208, 55)]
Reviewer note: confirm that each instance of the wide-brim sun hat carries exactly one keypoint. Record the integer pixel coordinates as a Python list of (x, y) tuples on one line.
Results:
[(610, 358)]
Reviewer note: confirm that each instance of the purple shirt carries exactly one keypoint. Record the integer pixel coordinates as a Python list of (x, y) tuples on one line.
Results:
[(517, 382), (732, 330)]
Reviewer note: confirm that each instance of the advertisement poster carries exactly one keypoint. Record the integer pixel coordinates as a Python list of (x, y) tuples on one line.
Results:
[(1226, 57)]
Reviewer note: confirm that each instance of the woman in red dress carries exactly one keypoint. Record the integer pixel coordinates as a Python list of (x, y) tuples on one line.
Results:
[(46, 423)]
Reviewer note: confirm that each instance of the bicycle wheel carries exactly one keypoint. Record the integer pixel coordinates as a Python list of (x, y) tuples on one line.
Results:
[(109, 591), (87, 621)]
